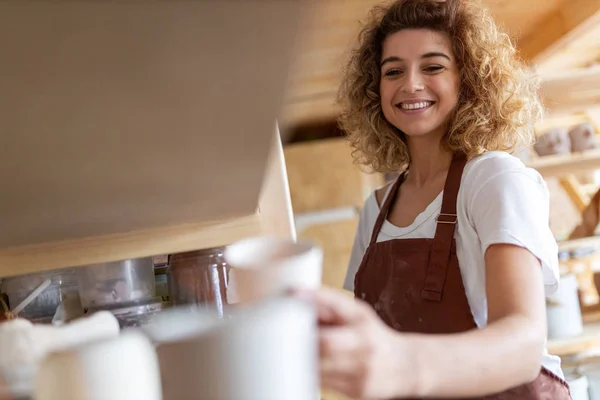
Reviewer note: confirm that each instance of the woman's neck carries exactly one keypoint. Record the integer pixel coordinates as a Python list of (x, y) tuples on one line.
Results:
[(428, 160)]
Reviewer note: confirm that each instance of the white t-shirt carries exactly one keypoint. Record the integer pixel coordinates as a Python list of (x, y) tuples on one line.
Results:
[(499, 201)]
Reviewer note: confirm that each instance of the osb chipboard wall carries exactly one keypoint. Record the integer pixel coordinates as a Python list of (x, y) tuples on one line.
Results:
[(336, 239), (322, 175)]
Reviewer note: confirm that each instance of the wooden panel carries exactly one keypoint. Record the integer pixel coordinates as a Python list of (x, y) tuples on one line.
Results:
[(316, 109), (130, 116), (571, 92), (275, 204), (593, 115), (521, 18), (322, 175), (332, 29), (567, 120), (563, 164), (274, 218), (83, 251), (566, 39)]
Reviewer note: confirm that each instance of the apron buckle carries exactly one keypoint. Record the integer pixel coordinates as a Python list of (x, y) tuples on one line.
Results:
[(451, 218)]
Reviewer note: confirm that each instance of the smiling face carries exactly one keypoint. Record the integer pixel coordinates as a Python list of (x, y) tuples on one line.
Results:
[(420, 82)]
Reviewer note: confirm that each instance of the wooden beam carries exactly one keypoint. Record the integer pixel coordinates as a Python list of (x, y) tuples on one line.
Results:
[(315, 109), (572, 27), (593, 115), (570, 92), (575, 192)]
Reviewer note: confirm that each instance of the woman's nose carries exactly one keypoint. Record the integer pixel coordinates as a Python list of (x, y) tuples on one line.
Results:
[(412, 83)]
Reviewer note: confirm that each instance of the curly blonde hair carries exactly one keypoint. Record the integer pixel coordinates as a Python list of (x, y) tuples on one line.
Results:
[(498, 101)]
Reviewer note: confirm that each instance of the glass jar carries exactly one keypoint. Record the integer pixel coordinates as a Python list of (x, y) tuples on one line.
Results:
[(199, 277)]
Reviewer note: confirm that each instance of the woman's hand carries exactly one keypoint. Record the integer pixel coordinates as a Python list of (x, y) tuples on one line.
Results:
[(359, 355)]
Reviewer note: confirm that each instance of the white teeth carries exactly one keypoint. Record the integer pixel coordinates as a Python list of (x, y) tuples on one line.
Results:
[(416, 106)]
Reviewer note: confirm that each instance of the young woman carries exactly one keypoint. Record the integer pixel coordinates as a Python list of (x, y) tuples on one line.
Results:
[(451, 262)]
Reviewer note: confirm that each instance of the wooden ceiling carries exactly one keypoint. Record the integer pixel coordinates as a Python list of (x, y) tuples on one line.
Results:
[(554, 35)]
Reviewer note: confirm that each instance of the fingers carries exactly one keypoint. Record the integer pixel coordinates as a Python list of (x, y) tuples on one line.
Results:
[(339, 343), (341, 365), (335, 307)]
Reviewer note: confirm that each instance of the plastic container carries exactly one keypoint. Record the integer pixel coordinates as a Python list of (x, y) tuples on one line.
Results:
[(43, 307), (199, 277), (563, 310), (592, 372), (581, 264), (578, 385), (116, 284)]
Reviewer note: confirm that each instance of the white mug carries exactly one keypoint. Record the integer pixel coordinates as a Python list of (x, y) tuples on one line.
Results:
[(262, 267), (265, 351), (123, 368)]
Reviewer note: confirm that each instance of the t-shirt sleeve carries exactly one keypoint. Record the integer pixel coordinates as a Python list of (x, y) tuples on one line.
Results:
[(512, 207), (361, 240)]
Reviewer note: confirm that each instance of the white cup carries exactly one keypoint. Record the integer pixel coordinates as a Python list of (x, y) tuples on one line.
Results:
[(265, 351), (124, 368), (262, 267)]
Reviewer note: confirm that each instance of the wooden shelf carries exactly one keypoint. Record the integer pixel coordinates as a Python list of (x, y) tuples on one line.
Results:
[(570, 346), (564, 164), (90, 250), (571, 91), (132, 133), (567, 245)]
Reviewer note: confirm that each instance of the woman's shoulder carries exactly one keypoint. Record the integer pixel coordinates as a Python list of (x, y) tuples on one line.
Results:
[(497, 166), (380, 194), (495, 160)]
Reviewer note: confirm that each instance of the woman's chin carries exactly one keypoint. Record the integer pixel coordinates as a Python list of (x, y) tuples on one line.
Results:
[(422, 133)]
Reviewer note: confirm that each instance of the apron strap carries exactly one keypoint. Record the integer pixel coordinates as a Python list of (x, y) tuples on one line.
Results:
[(439, 257), (385, 208)]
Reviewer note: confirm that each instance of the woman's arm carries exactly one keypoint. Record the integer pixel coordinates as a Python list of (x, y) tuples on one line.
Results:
[(362, 357), (504, 354)]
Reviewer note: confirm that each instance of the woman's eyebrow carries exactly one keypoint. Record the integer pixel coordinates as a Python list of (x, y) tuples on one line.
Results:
[(431, 54)]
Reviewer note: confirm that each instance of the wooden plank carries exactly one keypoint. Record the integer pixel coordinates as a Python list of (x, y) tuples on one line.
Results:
[(558, 121), (90, 250), (520, 18), (560, 29), (570, 92), (570, 346), (573, 190), (129, 117), (564, 164), (275, 204), (322, 107), (568, 245), (593, 114)]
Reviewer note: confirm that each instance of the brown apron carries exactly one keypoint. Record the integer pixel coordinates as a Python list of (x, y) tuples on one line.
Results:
[(415, 285)]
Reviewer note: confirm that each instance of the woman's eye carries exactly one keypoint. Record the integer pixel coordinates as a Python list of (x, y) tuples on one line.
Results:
[(393, 72), (434, 68)]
